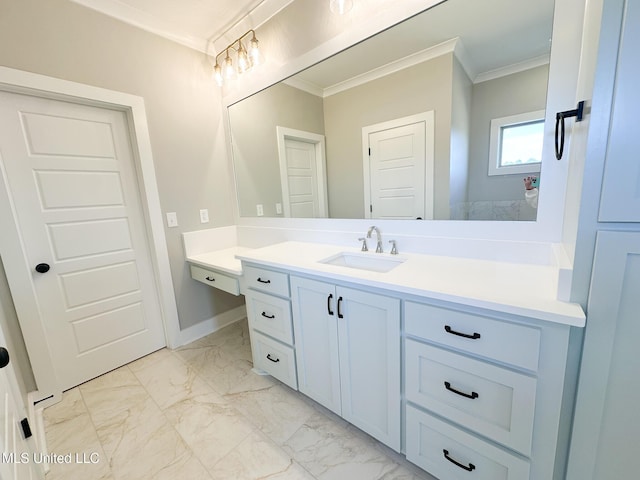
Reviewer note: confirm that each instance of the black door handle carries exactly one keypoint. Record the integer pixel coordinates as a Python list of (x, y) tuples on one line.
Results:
[(340, 315), (269, 358), (448, 329), (458, 464), (4, 357), (472, 395), (329, 311), (42, 267)]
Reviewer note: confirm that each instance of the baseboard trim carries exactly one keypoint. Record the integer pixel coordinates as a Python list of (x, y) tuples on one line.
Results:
[(207, 327)]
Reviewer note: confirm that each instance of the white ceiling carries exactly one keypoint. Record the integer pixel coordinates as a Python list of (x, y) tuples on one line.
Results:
[(194, 23), (494, 33)]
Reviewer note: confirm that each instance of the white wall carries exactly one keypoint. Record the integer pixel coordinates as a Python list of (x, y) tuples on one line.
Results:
[(61, 39)]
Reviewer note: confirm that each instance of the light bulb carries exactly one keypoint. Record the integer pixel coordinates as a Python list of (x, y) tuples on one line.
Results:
[(254, 52), (217, 75), (243, 60), (229, 71), (340, 6)]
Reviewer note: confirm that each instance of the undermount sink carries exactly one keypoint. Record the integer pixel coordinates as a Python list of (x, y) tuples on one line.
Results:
[(372, 262)]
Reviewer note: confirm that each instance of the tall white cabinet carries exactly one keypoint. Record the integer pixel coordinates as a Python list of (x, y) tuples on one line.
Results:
[(605, 439)]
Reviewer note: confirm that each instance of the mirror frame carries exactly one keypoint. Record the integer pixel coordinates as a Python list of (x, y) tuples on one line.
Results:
[(561, 94)]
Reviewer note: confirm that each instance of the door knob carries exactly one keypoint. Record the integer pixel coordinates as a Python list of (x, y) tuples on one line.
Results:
[(4, 357), (42, 267)]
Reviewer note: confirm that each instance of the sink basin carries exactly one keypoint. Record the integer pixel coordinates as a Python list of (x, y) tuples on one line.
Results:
[(373, 262)]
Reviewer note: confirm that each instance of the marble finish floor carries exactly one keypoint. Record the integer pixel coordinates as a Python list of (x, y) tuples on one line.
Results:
[(199, 413)]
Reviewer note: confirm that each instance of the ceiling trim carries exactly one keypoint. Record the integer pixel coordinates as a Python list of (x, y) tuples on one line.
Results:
[(133, 16)]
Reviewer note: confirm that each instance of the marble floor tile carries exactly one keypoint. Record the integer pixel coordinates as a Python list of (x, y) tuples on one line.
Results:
[(277, 411), (210, 426), (170, 380), (201, 413), (257, 458)]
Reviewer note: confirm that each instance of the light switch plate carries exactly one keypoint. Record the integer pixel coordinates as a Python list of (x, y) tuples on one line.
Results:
[(172, 219), (260, 210), (204, 216), (279, 208)]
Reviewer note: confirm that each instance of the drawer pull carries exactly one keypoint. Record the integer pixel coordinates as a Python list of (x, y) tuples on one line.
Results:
[(264, 314), (458, 464), (448, 386), (269, 358), (263, 281), (340, 315), (211, 279), (448, 329)]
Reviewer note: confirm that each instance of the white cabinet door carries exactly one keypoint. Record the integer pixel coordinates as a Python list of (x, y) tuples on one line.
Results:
[(621, 184), (348, 354), (605, 441), (316, 341), (369, 343)]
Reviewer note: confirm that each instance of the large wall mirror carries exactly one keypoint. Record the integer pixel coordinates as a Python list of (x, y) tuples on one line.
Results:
[(439, 117)]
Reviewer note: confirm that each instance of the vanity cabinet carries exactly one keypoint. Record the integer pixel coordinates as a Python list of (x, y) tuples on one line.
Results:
[(348, 354), (269, 316), (481, 396)]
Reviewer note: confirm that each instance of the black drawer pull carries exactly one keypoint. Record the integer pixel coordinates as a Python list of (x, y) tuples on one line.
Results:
[(340, 315), (211, 279), (458, 464), (448, 386), (269, 358), (263, 281), (329, 298), (448, 329), (264, 314)]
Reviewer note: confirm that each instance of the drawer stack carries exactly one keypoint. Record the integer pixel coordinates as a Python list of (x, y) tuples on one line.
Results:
[(471, 390), (269, 314)]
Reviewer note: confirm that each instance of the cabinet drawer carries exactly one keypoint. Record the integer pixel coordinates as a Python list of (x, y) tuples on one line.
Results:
[(506, 342), (449, 453), (266, 280), (270, 315), (493, 401), (274, 358), (218, 280)]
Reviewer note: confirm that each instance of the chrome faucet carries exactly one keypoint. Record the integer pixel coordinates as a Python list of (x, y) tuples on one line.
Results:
[(379, 238), (364, 245)]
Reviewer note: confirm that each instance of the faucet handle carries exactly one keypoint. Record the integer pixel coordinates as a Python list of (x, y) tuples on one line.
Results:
[(394, 248), (364, 245)]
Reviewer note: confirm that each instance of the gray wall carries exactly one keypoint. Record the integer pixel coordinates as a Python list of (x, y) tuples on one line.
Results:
[(460, 131), (517, 93), (255, 147), (425, 87), (64, 40)]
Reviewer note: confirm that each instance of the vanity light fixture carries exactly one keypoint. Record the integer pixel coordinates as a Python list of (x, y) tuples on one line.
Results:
[(340, 6), (244, 60)]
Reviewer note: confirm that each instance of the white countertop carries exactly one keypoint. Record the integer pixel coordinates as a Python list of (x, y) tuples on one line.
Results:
[(520, 289), (223, 260)]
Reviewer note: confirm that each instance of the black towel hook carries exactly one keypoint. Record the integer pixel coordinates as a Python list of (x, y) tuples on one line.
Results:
[(560, 116)]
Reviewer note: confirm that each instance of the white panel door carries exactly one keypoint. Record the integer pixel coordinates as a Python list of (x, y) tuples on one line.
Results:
[(605, 440), (397, 172), (369, 348), (621, 184), (302, 179), (18, 461), (316, 338), (74, 186)]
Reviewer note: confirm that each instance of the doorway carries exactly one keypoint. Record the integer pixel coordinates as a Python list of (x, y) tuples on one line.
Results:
[(84, 246), (398, 168)]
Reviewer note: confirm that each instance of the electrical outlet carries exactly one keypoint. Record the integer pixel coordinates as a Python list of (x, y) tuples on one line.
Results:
[(279, 208), (172, 219), (260, 210), (204, 216)]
